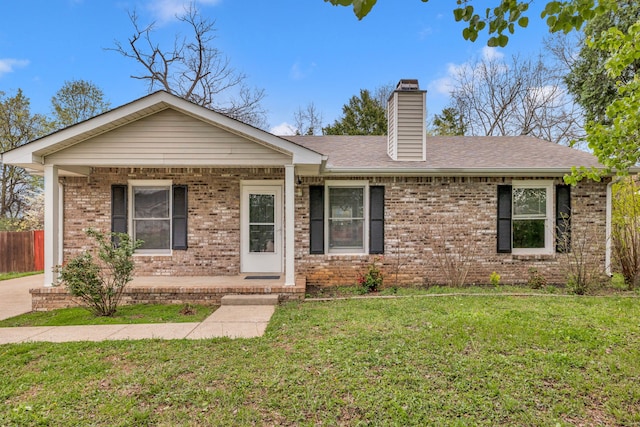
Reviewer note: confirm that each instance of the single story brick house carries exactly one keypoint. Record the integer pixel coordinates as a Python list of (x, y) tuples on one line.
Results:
[(211, 196)]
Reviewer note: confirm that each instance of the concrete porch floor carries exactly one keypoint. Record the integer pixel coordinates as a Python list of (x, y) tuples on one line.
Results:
[(237, 281), (207, 290)]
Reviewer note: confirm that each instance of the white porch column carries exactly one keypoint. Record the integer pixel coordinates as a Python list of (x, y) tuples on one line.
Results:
[(51, 223), (289, 224)]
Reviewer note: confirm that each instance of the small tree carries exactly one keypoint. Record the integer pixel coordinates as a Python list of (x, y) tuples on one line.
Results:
[(363, 115), (626, 230), (455, 248), (579, 249), (99, 283), (76, 101)]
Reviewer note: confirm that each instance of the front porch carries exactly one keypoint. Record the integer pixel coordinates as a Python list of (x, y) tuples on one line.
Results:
[(207, 290)]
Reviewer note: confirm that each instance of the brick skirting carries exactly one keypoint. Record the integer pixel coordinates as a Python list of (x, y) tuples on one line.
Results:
[(45, 299)]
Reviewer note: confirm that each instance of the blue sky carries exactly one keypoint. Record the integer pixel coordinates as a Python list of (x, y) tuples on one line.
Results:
[(299, 51)]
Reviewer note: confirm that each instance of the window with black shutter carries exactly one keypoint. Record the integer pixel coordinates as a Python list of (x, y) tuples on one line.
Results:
[(339, 222), (526, 221), (157, 211)]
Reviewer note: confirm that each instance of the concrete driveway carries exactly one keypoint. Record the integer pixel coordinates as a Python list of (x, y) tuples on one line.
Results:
[(15, 297)]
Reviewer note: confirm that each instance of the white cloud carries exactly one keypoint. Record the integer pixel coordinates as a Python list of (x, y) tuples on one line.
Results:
[(553, 96), (166, 10), (444, 85), (298, 71), (283, 129), (490, 53), (9, 65), (425, 32)]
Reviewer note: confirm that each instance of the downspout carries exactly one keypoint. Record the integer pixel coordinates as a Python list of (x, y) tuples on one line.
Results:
[(609, 224)]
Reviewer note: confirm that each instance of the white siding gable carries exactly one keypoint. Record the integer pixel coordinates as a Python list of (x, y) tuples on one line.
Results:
[(169, 138)]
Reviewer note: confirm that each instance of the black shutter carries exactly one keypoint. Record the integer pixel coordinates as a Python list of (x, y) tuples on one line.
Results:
[(376, 220), (504, 218), (563, 218), (316, 219), (179, 218), (119, 208)]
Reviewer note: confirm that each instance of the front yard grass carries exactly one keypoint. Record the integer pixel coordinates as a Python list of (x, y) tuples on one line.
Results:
[(456, 360), (139, 313), (7, 276)]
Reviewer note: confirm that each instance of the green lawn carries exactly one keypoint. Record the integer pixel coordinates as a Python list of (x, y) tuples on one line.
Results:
[(458, 360), (7, 276), (139, 313)]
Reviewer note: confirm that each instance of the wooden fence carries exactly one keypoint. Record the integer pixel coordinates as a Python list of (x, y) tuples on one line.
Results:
[(21, 251)]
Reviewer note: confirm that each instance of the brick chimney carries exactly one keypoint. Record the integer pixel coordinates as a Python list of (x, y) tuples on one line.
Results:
[(406, 115)]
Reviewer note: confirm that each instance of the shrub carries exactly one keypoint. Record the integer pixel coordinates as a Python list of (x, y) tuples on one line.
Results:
[(99, 282), (536, 280), (581, 264), (455, 248), (626, 230), (494, 278), (371, 280)]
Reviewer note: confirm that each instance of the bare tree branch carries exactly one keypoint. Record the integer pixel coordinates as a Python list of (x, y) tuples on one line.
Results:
[(193, 69), (521, 97)]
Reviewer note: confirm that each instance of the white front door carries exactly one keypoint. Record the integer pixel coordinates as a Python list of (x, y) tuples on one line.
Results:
[(261, 229)]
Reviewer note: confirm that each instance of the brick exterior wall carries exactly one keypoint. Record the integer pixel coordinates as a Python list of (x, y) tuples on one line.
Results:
[(213, 221), (422, 216)]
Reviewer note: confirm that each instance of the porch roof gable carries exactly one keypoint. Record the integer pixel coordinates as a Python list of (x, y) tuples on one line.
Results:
[(33, 155)]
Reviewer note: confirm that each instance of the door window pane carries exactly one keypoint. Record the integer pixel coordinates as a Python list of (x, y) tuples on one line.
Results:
[(262, 223), (261, 208), (261, 238)]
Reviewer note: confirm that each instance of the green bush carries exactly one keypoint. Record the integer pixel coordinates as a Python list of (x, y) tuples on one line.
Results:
[(494, 278), (371, 280), (536, 280), (99, 281)]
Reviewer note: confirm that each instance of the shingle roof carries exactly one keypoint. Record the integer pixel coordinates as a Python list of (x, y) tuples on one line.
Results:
[(518, 153)]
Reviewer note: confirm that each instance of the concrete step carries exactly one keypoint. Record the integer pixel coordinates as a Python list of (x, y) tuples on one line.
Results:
[(253, 299)]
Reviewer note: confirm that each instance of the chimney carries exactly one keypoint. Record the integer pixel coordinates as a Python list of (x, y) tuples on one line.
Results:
[(406, 115)]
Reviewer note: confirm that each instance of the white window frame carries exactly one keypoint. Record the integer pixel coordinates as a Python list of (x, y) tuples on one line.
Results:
[(130, 203), (549, 223), (365, 226)]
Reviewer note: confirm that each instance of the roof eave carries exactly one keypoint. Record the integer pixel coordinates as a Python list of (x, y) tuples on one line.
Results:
[(493, 172)]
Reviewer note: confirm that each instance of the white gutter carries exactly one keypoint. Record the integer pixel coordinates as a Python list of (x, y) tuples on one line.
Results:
[(451, 172)]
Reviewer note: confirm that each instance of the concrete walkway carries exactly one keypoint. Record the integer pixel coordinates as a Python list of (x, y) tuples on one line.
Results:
[(240, 316), (248, 321), (15, 298)]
